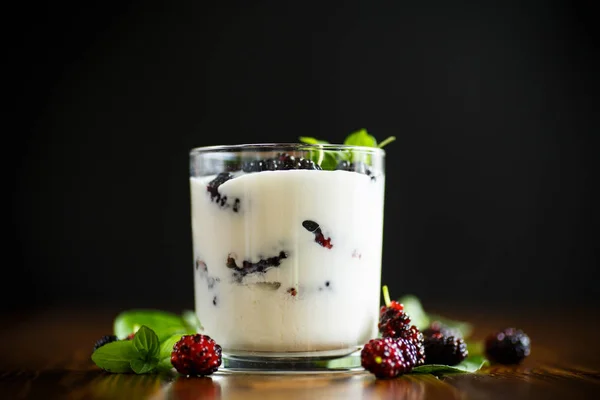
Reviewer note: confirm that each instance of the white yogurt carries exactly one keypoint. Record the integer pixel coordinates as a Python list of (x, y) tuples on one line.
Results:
[(318, 299)]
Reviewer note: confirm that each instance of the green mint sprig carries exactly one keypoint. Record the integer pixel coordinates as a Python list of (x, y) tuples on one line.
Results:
[(139, 355), (156, 332), (328, 160)]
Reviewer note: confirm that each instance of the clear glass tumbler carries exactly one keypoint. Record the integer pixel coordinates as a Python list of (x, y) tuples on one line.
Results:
[(287, 242)]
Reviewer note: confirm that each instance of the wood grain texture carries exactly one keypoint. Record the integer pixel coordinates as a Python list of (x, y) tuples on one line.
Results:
[(47, 356)]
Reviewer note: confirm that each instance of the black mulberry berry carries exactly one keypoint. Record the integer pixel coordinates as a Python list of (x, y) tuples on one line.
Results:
[(313, 227), (282, 161), (509, 346), (104, 340), (249, 267), (415, 337), (447, 350), (358, 166)]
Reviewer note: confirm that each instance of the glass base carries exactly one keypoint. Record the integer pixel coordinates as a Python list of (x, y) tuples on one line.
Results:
[(286, 363)]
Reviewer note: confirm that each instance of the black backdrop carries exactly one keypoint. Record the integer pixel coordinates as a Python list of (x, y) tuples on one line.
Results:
[(490, 189)]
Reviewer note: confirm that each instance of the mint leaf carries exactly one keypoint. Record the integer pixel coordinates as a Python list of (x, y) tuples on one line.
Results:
[(422, 319), (312, 140), (352, 361), (361, 138), (470, 364), (115, 356), (414, 309), (327, 159), (164, 324), (166, 347), (330, 160), (190, 318), (143, 366), (146, 342), (164, 355)]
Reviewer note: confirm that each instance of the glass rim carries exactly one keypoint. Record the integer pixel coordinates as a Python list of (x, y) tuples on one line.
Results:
[(291, 146)]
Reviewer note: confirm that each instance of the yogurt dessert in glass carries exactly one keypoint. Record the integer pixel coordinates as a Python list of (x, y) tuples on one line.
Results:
[(287, 243)]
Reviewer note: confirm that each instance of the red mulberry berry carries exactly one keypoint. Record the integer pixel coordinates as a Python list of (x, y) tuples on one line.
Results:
[(196, 355), (392, 318), (387, 357)]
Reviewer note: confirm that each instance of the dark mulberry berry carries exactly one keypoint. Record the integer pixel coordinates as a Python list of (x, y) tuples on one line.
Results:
[(447, 350), (104, 340), (358, 166), (249, 267), (213, 189), (344, 165), (395, 323), (308, 164), (415, 337), (236, 205), (509, 346), (392, 318), (313, 227), (252, 166), (196, 355), (282, 161), (387, 357), (290, 162), (218, 181)]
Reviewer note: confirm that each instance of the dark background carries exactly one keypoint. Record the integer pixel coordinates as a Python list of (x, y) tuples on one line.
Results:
[(490, 187)]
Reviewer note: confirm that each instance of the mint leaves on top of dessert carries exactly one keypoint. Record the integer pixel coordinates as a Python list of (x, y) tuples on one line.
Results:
[(329, 160), (358, 138), (325, 159), (362, 138)]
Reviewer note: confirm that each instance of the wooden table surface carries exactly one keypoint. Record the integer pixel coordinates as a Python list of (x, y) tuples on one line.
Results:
[(46, 355)]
